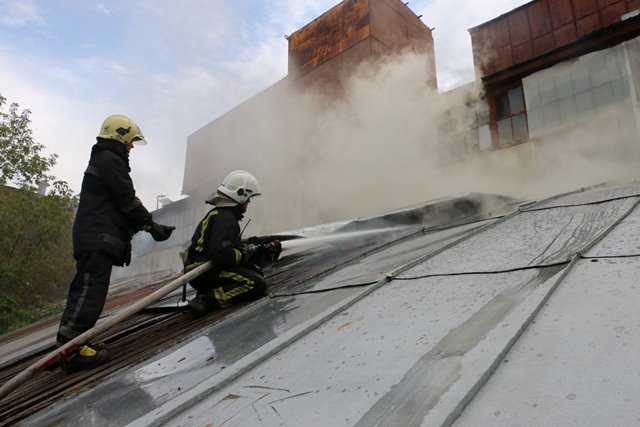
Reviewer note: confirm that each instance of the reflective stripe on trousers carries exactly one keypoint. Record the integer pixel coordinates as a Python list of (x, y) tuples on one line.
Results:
[(244, 285), (87, 295)]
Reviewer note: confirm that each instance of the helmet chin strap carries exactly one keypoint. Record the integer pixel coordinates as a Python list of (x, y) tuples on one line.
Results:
[(245, 227)]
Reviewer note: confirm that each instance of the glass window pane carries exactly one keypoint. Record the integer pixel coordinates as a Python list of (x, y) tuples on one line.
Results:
[(550, 115), (633, 59), (531, 94), (471, 141), (580, 79), (564, 88), (483, 112), (535, 120), (547, 91), (621, 89), (505, 135), (584, 103), (520, 131), (502, 105), (599, 73), (516, 100), (519, 126), (615, 63), (484, 138), (603, 96), (568, 110)]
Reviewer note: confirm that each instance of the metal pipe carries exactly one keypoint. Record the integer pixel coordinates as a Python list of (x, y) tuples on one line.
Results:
[(85, 337)]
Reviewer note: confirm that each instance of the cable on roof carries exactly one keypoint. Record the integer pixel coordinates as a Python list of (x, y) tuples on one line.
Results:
[(609, 256), (613, 199), (390, 278), (511, 270), (466, 273), (425, 230), (319, 291), (462, 273)]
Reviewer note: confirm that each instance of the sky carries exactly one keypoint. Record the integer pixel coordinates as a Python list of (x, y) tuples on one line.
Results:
[(173, 67)]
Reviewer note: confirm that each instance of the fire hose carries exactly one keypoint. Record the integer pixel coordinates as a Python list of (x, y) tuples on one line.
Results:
[(80, 340), (270, 250)]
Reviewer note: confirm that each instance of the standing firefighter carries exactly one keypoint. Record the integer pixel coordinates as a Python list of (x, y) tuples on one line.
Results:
[(236, 274), (108, 216)]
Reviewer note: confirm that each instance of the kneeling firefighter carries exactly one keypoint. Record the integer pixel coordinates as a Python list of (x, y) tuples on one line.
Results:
[(236, 274)]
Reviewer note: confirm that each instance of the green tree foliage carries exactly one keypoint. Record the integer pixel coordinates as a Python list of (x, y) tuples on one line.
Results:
[(20, 160), (36, 262)]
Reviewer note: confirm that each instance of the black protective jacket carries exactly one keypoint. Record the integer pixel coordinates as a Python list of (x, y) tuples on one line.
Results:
[(109, 212), (217, 239)]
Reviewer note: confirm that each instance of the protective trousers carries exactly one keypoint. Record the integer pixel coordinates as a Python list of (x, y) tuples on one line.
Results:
[(87, 295), (231, 285)]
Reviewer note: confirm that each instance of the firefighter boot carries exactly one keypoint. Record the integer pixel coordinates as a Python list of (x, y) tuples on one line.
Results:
[(203, 303), (88, 356)]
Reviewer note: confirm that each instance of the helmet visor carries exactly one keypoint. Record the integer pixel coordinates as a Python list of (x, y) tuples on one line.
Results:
[(139, 139)]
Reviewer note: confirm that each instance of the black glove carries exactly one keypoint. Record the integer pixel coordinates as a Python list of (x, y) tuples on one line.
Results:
[(273, 248), (249, 251), (160, 232)]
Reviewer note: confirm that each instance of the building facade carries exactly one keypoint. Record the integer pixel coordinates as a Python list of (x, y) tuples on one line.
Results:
[(556, 84)]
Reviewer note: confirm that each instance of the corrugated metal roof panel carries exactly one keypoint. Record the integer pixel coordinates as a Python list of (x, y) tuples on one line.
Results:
[(520, 299), (576, 364), (388, 360), (301, 297)]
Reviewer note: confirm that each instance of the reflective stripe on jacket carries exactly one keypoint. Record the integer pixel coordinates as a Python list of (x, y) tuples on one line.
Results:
[(216, 238)]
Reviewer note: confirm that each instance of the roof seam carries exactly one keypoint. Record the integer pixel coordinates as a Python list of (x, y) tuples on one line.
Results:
[(455, 413)]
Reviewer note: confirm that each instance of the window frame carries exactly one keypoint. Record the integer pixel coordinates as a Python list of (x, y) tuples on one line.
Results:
[(496, 120)]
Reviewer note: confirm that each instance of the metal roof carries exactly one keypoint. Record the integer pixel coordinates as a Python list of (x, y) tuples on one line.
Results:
[(471, 310)]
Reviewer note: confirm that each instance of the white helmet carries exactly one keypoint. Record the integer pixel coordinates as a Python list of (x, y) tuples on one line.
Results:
[(122, 129), (240, 186)]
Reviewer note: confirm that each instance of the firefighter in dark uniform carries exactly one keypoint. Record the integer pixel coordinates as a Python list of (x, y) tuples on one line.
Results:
[(109, 214), (233, 278)]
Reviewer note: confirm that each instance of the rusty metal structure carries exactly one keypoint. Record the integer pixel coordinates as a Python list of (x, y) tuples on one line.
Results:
[(540, 34), (330, 48), (543, 32)]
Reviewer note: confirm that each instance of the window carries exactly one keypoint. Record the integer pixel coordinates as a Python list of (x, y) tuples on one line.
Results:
[(574, 90), (511, 117), (481, 130), (484, 138)]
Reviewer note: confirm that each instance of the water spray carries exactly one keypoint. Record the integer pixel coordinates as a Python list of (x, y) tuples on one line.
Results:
[(293, 246)]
